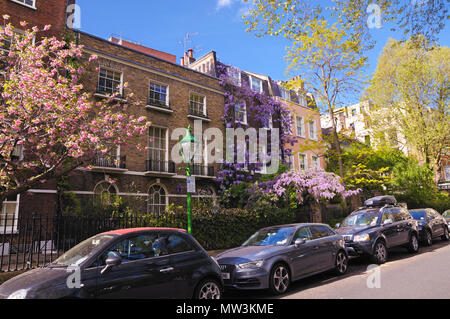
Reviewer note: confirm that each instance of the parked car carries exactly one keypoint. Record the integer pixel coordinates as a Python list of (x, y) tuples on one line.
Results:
[(446, 215), (275, 256), (378, 226), (431, 225), (128, 263)]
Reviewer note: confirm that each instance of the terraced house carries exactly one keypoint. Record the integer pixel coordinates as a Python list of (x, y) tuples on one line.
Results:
[(171, 96)]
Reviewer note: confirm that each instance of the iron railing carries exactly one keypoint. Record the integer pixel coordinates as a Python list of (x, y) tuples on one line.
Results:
[(34, 241), (160, 166), (109, 162)]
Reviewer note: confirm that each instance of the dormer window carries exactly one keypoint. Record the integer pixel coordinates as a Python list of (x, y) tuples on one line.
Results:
[(256, 84)]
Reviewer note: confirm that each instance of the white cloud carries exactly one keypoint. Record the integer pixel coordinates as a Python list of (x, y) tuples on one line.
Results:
[(223, 3)]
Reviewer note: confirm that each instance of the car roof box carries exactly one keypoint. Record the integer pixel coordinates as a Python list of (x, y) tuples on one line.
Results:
[(380, 201)]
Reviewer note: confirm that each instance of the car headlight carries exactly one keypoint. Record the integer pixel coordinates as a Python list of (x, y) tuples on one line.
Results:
[(19, 294), (251, 265), (362, 237)]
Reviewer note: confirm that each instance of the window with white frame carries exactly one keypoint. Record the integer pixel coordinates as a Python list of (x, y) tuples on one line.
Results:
[(312, 130), (300, 126), (240, 112), (235, 75), (28, 3), (109, 81), (285, 94), (256, 84), (197, 104), (315, 160), (158, 94), (302, 100), (17, 152), (9, 215), (5, 44), (157, 200), (302, 161), (158, 140)]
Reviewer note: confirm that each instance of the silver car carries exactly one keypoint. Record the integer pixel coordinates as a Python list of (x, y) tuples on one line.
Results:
[(275, 256)]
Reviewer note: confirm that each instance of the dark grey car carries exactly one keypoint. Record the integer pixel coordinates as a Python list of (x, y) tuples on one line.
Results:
[(273, 257)]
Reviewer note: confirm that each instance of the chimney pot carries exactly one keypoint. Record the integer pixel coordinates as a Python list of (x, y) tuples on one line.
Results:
[(182, 61), (190, 53)]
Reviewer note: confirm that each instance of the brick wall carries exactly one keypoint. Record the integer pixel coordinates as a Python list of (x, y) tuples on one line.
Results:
[(51, 12)]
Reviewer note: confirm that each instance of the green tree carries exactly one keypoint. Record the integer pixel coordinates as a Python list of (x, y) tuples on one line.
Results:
[(410, 93)]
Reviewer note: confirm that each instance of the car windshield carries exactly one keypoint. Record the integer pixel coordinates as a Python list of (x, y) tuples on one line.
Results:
[(82, 251), (270, 236), (362, 218), (418, 214)]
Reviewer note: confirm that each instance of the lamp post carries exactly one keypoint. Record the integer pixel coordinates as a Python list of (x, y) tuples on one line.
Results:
[(188, 149)]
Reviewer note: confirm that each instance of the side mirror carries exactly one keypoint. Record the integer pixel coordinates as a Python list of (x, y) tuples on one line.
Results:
[(299, 242), (387, 221), (111, 261), (337, 225)]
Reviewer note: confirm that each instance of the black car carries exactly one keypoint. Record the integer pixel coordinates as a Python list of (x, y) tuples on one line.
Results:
[(275, 256), (128, 263), (431, 225), (378, 226)]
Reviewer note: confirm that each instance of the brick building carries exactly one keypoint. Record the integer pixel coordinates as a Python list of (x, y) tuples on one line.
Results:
[(38, 13), (307, 151)]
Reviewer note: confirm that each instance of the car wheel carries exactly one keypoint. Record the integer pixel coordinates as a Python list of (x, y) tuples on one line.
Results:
[(341, 263), (279, 279), (446, 235), (413, 246), (428, 238), (380, 253), (208, 289)]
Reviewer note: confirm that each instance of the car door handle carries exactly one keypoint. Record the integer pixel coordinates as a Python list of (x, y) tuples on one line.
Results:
[(165, 270), (316, 248)]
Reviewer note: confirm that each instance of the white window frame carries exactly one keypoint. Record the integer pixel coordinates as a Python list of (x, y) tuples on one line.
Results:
[(166, 198), (312, 124), (305, 161), (164, 140), (10, 229), (303, 128), (111, 70), (302, 100), (315, 161), (286, 93), (244, 112), (251, 78), (25, 4), (204, 103), (166, 102)]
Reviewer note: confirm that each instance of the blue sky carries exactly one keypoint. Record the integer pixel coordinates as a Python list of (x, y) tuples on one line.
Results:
[(217, 24)]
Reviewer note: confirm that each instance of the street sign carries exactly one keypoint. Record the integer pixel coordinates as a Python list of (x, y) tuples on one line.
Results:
[(191, 184)]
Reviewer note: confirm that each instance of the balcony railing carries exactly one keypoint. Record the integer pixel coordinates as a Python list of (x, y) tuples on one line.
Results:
[(160, 166), (110, 163), (200, 170)]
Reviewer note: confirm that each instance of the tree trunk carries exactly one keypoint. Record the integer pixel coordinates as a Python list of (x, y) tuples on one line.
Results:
[(316, 212)]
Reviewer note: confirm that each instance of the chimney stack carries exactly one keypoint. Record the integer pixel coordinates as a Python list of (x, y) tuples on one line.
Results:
[(189, 57)]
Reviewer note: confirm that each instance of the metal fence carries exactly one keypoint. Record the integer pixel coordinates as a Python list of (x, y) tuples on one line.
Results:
[(30, 242)]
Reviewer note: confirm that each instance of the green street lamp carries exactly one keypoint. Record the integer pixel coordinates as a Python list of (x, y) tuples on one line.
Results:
[(188, 149)]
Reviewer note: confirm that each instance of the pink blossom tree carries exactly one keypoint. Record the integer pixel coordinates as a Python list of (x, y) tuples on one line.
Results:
[(48, 125), (312, 186)]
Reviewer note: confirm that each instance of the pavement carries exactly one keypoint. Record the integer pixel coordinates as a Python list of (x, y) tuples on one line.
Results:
[(424, 275)]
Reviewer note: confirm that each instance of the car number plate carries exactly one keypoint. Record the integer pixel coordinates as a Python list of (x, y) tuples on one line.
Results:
[(225, 275)]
